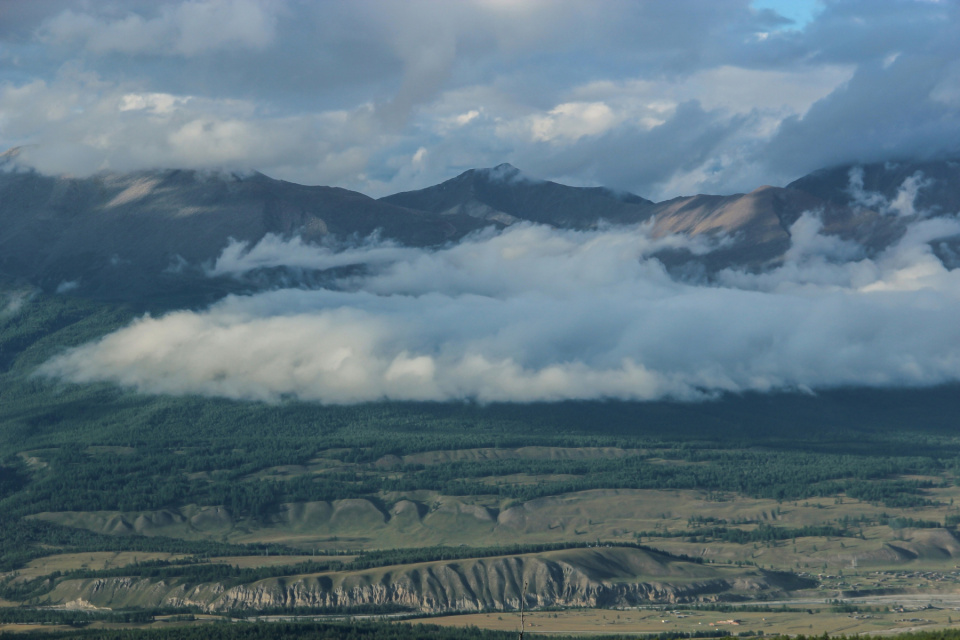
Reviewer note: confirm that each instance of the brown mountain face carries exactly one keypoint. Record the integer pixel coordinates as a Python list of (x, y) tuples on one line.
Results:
[(503, 194), (758, 223), (756, 220)]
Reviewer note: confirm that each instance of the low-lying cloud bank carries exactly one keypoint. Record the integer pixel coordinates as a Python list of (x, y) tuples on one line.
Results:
[(537, 314)]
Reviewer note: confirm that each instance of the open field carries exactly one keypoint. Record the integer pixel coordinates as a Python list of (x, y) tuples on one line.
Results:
[(94, 561), (646, 621), (654, 517), (160, 623), (252, 562)]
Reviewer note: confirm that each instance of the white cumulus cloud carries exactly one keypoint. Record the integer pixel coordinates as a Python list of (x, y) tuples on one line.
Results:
[(537, 314)]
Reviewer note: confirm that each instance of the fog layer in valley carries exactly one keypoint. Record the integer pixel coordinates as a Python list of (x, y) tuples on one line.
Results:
[(534, 313)]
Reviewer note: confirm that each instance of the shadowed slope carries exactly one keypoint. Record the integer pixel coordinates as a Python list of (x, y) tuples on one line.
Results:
[(503, 194), (117, 234)]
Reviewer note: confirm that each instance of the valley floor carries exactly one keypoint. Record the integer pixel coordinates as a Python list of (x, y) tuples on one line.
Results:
[(119, 509)]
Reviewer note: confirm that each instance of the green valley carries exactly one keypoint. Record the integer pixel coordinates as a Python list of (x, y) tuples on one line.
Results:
[(125, 504)]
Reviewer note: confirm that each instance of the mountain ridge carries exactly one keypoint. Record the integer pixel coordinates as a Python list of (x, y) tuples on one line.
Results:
[(127, 232), (480, 193), (146, 233)]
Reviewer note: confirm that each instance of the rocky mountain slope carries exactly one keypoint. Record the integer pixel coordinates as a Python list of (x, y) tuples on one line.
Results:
[(931, 186), (869, 205), (757, 224), (147, 234), (135, 234)]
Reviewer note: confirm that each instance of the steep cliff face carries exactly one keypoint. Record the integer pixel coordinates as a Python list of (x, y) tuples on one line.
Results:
[(572, 578)]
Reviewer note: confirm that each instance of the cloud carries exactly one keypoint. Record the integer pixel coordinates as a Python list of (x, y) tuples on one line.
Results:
[(183, 29), (538, 314), (817, 262), (67, 286), (79, 124), (239, 258), (690, 141), (11, 302), (867, 120), (347, 93), (806, 240), (903, 203), (572, 120)]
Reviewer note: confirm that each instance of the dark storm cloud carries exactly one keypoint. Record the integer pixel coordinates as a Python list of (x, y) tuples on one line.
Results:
[(862, 122), (628, 156), (903, 100)]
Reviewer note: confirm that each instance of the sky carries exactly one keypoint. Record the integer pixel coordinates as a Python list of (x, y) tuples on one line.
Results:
[(654, 97)]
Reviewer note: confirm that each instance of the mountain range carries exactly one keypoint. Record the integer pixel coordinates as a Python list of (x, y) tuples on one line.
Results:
[(147, 233)]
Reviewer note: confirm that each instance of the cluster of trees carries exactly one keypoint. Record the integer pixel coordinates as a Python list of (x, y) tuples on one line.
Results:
[(165, 474), (22, 540), (388, 557), (763, 533), (22, 615), (206, 451), (354, 630), (380, 630)]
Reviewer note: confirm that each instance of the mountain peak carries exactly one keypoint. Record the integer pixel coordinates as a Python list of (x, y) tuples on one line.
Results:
[(503, 194), (503, 172), (9, 159)]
